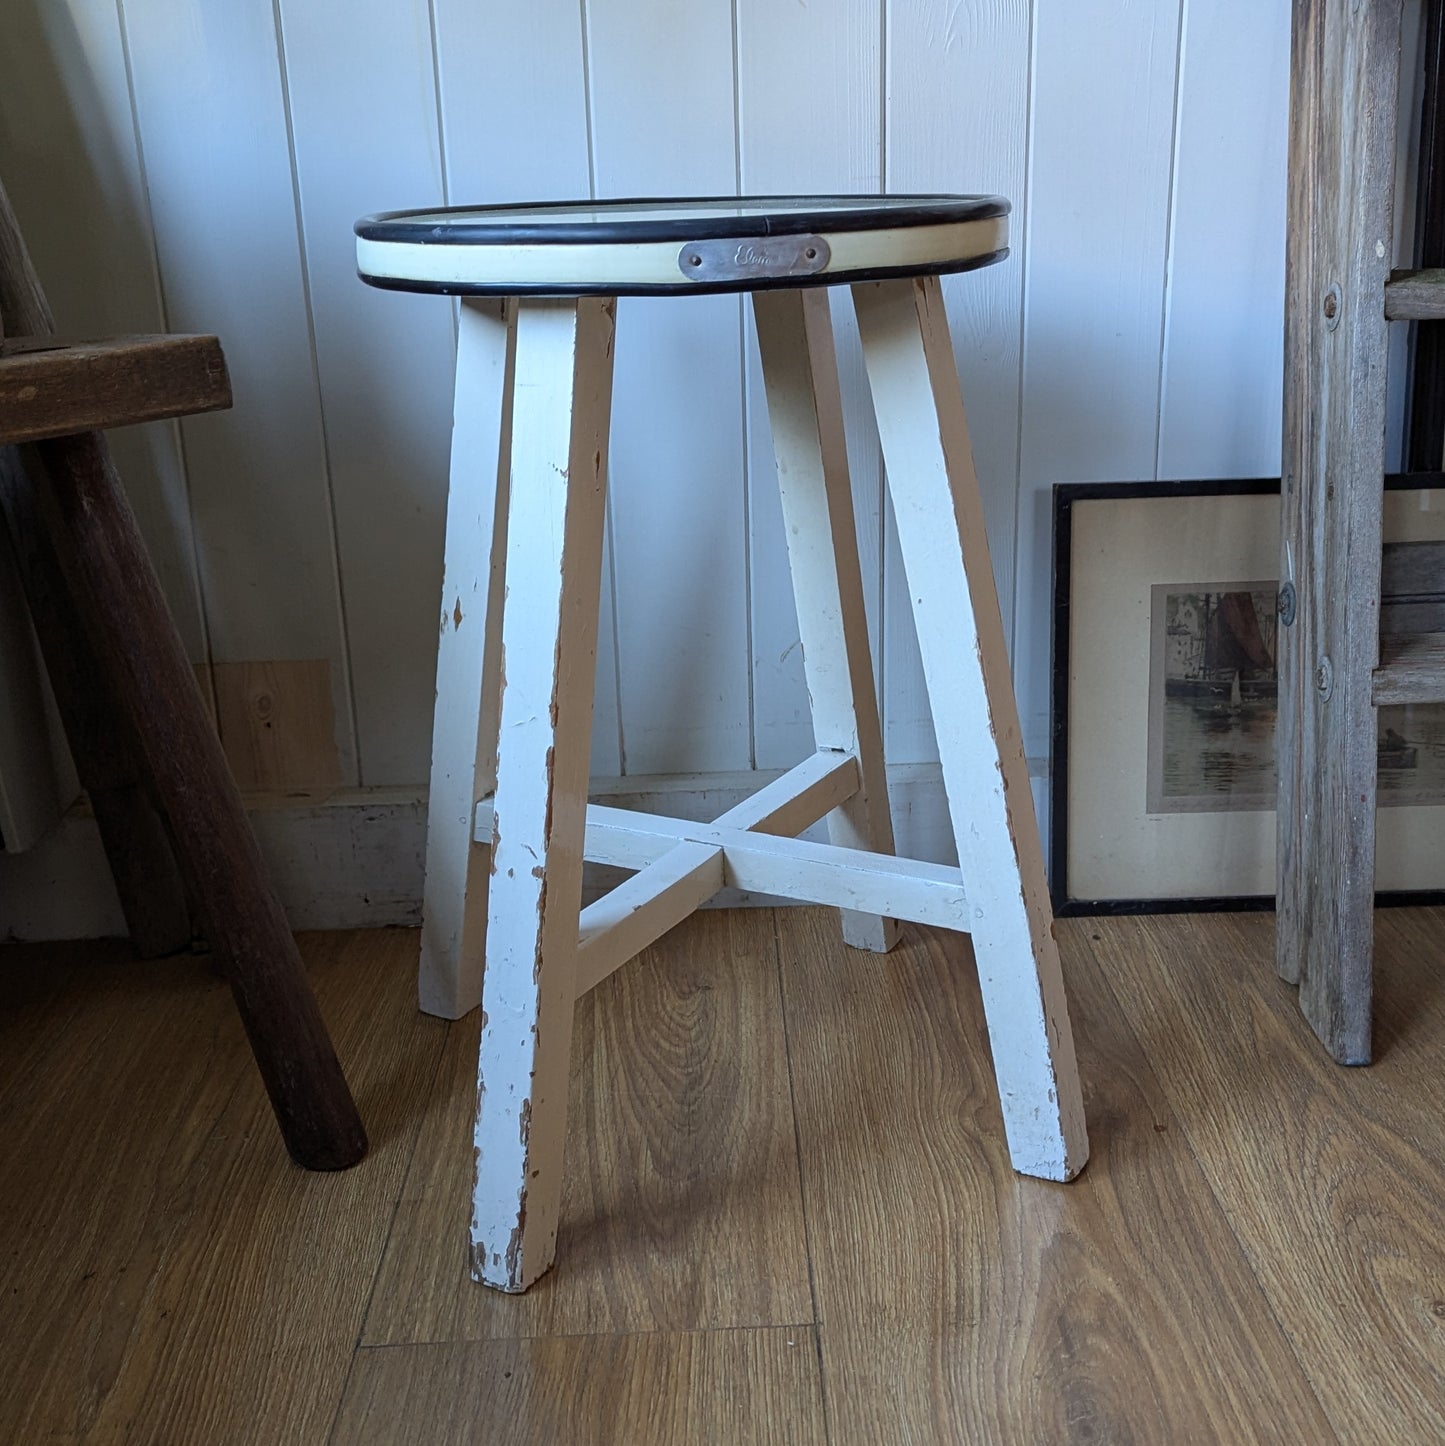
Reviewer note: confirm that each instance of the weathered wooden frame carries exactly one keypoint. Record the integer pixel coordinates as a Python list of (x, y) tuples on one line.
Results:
[(1340, 296), (170, 816), (51, 388), (1345, 63)]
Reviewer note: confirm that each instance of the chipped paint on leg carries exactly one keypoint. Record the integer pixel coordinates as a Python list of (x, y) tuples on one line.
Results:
[(554, 539), (940, 527)]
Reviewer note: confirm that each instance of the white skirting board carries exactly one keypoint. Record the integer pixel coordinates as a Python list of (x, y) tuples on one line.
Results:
[(354, 860)]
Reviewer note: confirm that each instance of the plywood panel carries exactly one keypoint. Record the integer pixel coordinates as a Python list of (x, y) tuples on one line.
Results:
[(660, 79), (1224, 332), (522, 136), (958, 120), (1101, 145), (809, 120), (363, 109), (74, 174), (211, 111), (276, 725)]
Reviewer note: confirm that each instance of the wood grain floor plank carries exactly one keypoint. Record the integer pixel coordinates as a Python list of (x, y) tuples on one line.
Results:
[(169, 1276), (38, 994), (681, 1208), (1331, 1178), (172, 1276), (695, 1389), (959, 1301), (91, 1202)]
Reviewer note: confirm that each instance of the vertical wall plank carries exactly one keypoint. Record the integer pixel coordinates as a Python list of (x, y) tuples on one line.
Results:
[(513, 83), (1224, 338), (958, 120), (364, 121), (213, 129), (661, 77), (70, 162), (809, 119), (1102, 133)]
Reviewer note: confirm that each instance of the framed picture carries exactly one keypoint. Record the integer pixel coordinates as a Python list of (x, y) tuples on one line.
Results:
[(1163, 710)]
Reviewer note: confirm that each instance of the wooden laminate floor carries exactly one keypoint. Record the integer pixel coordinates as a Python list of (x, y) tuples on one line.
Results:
[(790, 1216)]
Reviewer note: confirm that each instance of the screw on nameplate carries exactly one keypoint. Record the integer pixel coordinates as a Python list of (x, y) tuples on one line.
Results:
[(748, 258)]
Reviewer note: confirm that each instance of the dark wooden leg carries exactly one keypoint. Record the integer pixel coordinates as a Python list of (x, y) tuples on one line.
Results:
[(1346, 60), (73, 500), (80, 506), (152, 894)]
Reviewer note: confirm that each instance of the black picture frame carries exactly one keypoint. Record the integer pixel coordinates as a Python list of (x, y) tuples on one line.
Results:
[(1066, 498)]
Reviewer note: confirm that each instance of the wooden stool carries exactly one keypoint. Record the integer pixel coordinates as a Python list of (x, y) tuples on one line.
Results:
[(174, 828), (519, 636)]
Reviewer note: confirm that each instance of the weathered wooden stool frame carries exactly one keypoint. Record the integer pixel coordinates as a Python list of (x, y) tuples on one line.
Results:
[(170, 818), (509, 821)]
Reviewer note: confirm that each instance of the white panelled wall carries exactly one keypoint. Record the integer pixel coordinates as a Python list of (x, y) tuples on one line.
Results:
[(198, 165)]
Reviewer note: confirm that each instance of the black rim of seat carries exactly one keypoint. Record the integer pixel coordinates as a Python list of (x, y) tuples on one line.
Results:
[(827, 213)]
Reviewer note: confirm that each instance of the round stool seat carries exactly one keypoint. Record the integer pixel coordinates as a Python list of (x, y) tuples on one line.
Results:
[(526, 525), (671, 247)]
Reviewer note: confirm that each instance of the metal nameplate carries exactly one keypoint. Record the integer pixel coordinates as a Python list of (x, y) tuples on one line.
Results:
[(753, 258)]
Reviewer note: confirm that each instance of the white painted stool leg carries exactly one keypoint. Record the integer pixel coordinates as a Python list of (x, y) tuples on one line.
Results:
[(469, 664), (561, 399), (939, 514), (805, 408)]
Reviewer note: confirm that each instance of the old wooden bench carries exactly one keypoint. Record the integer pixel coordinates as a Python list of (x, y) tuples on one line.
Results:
[(171, 820)]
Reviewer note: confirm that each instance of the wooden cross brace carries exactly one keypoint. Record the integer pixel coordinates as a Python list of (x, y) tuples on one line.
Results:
[(754, 847)]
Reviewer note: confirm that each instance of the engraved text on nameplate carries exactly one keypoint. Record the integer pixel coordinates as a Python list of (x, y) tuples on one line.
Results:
[(752, 258)]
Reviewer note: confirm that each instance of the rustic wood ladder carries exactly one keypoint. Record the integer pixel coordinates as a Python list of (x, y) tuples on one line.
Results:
[(172, 823), (1335, 668)]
